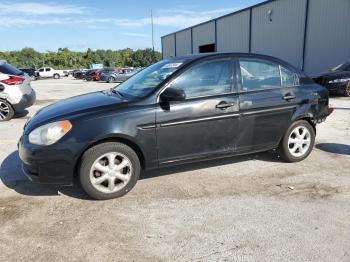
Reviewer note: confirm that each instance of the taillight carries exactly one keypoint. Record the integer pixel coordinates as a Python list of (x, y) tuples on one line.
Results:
[(330, 109), (13, 80)]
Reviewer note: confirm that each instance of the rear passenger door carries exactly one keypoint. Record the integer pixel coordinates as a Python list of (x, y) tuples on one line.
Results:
[(267, 97)]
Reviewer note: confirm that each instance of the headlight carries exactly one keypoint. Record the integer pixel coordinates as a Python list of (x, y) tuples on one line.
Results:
[(342, 80), (50, 133)]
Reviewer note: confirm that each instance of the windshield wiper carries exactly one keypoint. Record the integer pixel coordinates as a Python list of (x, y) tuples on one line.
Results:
[(117, 92)]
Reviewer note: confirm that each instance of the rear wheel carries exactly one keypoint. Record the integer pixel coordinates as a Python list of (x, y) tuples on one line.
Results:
[(56, 76), (347, 90), (109, 170), (110, 80), (298, 142), (6, 111)]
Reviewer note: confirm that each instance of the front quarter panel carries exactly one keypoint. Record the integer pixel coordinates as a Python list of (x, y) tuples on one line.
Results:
[(136, 126)]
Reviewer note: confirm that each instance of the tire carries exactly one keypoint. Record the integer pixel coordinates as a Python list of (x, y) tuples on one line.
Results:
[(347, 90), (110, 80), (96, 174), (6, 111), (303, 143), (56, 76)]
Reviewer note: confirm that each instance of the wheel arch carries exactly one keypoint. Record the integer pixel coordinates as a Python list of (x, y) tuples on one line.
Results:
[(306, 117), (113, 138)]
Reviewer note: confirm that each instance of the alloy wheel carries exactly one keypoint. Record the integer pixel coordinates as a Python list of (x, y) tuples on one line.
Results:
[(111, 172), (4, 110), (299, 141)]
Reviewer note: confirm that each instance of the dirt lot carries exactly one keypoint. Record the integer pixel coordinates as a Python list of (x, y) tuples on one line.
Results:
[(251, 208)]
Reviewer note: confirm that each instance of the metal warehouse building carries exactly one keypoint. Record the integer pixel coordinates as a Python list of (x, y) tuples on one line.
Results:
[(313, 35)]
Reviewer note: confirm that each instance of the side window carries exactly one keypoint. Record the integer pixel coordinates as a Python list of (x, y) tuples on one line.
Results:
[(41, 70), (259, 74), (288, 77), (208, 78), (48, 69)]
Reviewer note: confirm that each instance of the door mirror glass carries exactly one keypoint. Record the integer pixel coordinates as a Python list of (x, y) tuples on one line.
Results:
[(173, 94)]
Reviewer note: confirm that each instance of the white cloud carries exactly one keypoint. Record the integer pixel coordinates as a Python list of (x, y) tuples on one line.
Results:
[(39, 9), (213, 12), (10, 21), (136, 35), (175, 18)]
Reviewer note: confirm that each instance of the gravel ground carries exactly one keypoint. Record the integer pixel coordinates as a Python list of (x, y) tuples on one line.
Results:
[(250, 208)]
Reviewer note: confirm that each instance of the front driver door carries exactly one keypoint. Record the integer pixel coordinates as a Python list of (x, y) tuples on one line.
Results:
[(206, 123)]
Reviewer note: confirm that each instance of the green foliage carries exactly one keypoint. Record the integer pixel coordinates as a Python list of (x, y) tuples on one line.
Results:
[(66, 59)]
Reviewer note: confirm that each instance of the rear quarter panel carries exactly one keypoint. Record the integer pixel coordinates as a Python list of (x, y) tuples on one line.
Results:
[(314, 104)]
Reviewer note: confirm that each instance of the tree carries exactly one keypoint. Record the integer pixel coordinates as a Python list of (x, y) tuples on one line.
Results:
[(64, 58)]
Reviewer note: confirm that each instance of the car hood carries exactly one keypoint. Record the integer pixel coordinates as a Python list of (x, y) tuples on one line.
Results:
[(77, 105)]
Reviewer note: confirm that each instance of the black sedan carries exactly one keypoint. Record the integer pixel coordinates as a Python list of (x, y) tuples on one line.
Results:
[(31, 72), (175, 111), (336, 80)]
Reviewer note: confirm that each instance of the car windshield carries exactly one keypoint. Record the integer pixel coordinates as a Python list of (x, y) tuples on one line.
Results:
[(342, 67), (142, 83)]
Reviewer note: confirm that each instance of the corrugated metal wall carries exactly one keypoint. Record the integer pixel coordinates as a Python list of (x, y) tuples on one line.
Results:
[(283, 37), (183, 42), (168, 46), (328, 34), (233, 33), (203, 35)]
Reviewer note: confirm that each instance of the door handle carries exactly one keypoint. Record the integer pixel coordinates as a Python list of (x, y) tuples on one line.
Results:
[(288, 97), (224, 105)]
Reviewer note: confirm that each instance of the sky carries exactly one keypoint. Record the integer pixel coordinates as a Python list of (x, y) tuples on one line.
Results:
[(78, 25)]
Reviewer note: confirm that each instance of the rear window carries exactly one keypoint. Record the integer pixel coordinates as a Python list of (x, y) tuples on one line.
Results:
[(10, 70)]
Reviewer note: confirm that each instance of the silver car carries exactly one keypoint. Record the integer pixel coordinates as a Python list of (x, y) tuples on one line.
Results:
[(16, 94)]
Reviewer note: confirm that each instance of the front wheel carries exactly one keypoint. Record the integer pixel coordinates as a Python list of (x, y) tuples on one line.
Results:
[(298, 142), (110, 80), (109, 170)]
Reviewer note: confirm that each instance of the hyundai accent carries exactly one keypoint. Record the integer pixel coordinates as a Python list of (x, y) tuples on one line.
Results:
[(178, 110)]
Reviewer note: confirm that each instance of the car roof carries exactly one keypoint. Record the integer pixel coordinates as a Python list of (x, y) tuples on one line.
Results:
[(191, 58), (196, 56)]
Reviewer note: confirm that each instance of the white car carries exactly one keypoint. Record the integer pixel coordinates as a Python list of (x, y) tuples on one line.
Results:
[(49, 72), (16, 94)]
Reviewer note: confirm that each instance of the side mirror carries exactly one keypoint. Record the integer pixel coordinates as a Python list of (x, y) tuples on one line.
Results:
[(2, 88), (172, 94)]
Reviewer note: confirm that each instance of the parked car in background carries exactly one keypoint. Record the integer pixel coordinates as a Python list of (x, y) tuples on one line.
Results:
[(16, 93), (90, 74), (122, 76), (31, 72), (79, 74), (102, 73), (49, 72), (336, 80), (178, 110)]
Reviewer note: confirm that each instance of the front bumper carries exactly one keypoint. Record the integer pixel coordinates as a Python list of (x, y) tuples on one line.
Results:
[(26, 101), (46, 165)]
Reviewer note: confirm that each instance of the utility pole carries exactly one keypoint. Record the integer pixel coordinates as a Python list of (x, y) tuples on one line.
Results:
[(152, 30)]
